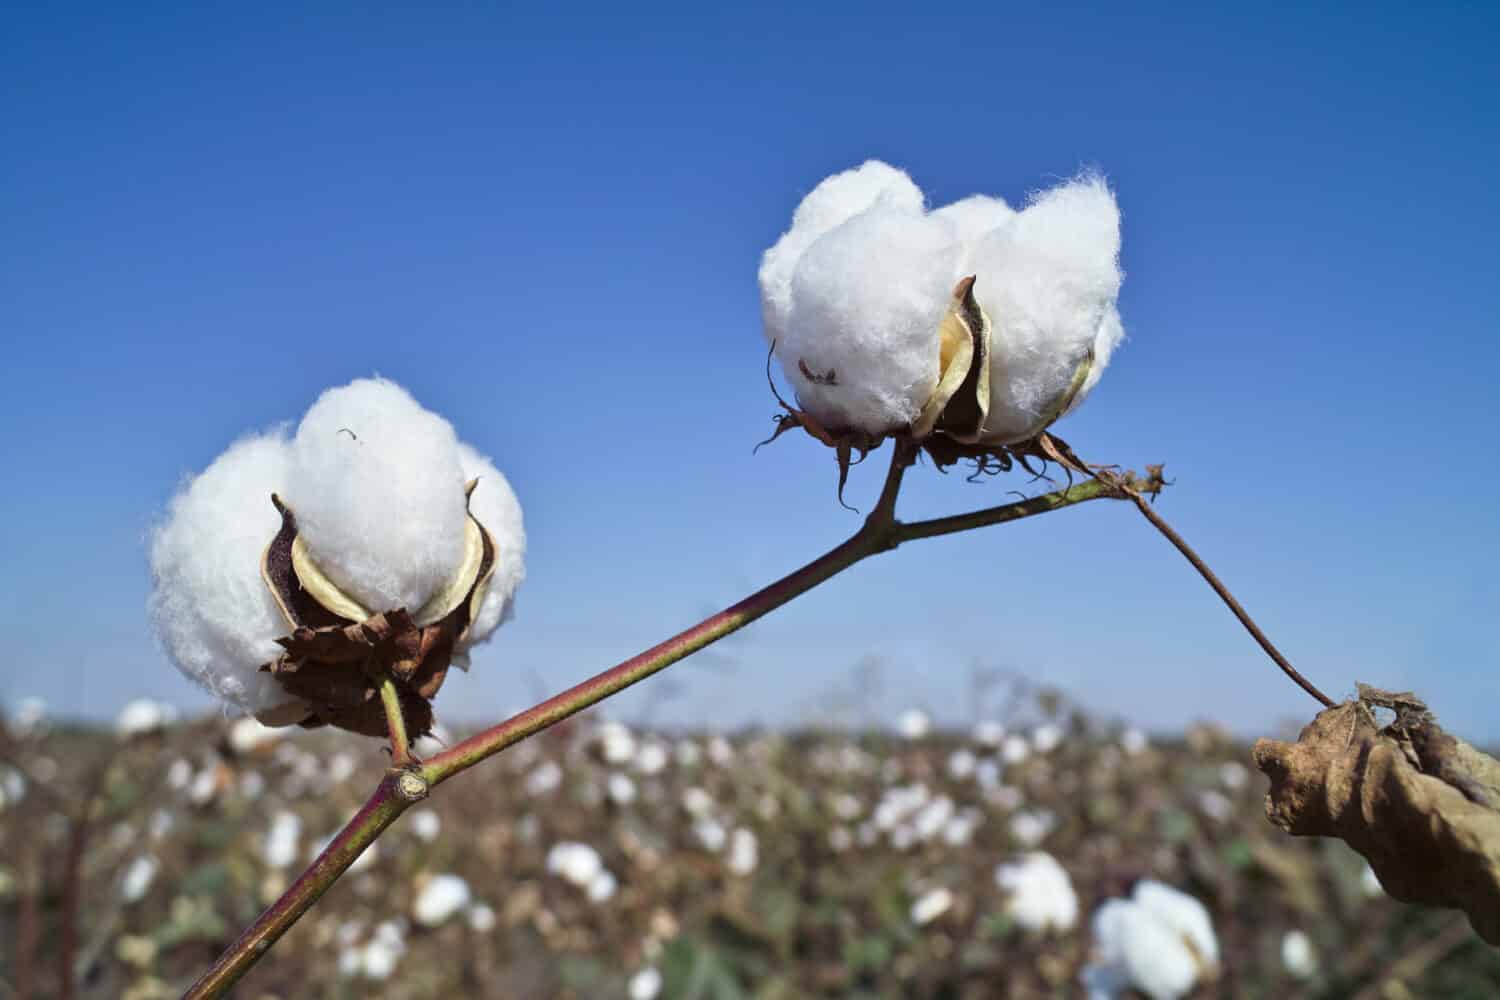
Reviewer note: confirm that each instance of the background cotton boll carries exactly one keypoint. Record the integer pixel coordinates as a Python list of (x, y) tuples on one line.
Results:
[(1185, 915), (377, 486), (440, 898), (1048, 281), (1040, 895), (833, 202), (212, 612), (867, 298), (494, 505)]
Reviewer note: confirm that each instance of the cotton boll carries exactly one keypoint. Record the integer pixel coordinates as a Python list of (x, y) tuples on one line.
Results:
[(1184, 914), (1030, 828), (601, 888), (494, 505), (138, 878), (645, 985), (481, 918), (914, 724), (383, 951), (744, 851), (574, 862), (248, 735), (144, 716), (440, 898), (1040, 895), (1048, 282), (1297, 955), (867, 299), (621, 789), (213, 613), (1161, 942), (377, 484), (280, 847), (29, 719), (833, 202), (711, 834), (1134, 741), (931, 905)]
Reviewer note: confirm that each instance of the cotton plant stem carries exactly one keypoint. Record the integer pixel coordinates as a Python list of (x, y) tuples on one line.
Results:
[(395, 722), (378, 813), (881, 532)]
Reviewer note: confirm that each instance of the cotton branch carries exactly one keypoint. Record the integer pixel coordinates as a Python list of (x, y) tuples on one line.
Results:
[(881, 532)]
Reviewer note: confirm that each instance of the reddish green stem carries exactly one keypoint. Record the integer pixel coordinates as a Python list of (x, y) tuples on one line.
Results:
[(378, 813)]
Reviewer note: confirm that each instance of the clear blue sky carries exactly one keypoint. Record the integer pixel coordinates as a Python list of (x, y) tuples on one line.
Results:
[(547, 225)]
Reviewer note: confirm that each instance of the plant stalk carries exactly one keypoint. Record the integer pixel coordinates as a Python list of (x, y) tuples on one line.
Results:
[(395, 722)]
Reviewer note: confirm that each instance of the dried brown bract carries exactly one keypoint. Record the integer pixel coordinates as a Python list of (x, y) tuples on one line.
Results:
[(1419, 804)]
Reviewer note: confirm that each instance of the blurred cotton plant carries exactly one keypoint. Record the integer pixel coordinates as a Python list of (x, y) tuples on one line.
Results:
[(1160, 941), (303, 568), (971, 327)]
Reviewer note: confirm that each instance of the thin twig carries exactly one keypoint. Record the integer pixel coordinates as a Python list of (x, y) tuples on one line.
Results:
[(72, 901), (1225, 596), (378, 813), (29, 924), (395, 722)]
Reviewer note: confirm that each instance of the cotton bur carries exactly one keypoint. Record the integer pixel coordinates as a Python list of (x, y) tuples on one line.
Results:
[(304, 568)]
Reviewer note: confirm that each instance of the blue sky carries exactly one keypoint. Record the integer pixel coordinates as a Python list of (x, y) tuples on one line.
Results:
[(547, 224)]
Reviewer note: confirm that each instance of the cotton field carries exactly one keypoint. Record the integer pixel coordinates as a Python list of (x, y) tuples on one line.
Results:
[(1046, 853)]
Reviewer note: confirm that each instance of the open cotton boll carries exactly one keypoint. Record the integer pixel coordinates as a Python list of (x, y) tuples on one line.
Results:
[(1040, 894), (867, 299), (495, 506), (216, 619), (1185, 915), (833, 202), (441, 897), (377, 484), (1160, 942), (1048, 281)]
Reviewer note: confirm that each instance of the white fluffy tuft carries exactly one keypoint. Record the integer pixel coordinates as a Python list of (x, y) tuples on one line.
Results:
[(1048, 282), (859, 283), (211, 609), (377, 486), (495, 506)]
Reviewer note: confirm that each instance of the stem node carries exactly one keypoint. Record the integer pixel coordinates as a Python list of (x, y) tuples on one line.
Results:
[(411, 784)]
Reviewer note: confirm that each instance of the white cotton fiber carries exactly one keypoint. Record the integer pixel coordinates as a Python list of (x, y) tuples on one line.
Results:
[(867, 298), (1048, 281), (832, 203), (972, 219), (856, 289), (211, 609), (495, 506), (377, 486)]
